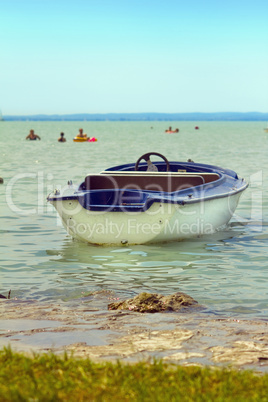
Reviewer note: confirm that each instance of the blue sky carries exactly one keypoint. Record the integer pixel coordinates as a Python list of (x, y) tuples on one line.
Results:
[(100, 56)]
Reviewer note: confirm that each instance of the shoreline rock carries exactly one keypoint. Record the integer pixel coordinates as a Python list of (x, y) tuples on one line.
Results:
[(155, 303)]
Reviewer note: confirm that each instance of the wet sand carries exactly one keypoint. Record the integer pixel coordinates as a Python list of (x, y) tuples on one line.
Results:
[(86, 328)]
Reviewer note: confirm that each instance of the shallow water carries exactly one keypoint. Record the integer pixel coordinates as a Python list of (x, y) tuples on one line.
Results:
[(226, 272)]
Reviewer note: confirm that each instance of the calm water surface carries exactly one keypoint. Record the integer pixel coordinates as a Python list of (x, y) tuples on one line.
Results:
[(227, 271)]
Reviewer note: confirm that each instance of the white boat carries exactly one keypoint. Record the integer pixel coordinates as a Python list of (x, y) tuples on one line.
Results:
[(149, 202)]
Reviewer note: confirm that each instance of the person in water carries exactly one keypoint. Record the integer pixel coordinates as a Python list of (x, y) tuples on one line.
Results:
[(62, 138), (169, 129), (81, 134), (32, 136), (172, 131)]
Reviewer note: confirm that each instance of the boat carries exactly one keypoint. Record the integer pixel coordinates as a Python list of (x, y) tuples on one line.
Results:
[(149, 202)]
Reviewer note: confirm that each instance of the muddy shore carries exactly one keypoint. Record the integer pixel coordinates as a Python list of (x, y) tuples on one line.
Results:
[(86, 328)]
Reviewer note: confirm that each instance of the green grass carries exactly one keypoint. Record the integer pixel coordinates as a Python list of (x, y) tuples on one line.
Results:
[(54, 378)]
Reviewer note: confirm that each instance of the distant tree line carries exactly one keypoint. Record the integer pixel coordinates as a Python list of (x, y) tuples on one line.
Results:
[(219, 116)]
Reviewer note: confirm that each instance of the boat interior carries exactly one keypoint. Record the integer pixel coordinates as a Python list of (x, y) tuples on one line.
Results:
[(161, 177), (148, 181)]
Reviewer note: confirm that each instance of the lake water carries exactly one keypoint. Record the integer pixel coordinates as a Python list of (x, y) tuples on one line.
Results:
[(227, 272)]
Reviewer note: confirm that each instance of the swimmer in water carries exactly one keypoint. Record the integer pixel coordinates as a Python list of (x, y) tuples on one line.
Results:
[(32, 136), (62, 138), (81, 134)]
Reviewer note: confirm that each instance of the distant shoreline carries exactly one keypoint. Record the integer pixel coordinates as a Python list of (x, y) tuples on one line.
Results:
[(219, 116)]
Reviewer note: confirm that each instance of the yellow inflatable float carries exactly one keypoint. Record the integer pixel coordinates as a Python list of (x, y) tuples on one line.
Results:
[(85, 139), (80, 139)]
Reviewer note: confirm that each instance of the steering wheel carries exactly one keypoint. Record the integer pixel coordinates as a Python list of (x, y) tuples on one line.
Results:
[(151, 167)]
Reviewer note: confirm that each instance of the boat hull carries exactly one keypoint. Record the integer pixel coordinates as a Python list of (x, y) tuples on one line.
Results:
[(161, 222)]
